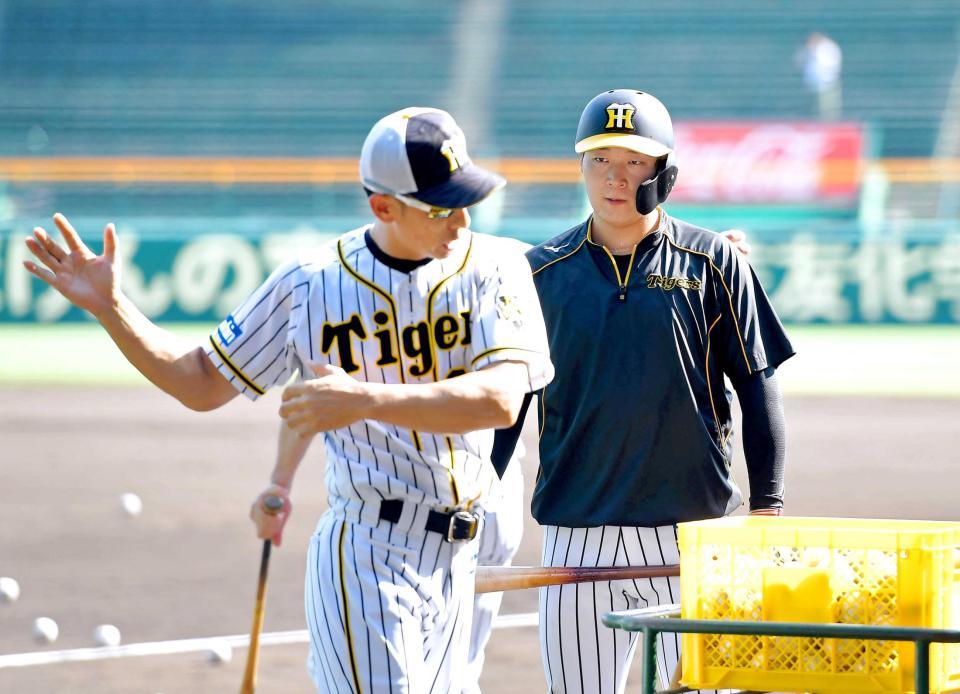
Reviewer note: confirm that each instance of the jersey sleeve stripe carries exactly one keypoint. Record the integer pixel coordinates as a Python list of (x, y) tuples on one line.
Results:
[(733, 313), (239, 374), (502, 349)]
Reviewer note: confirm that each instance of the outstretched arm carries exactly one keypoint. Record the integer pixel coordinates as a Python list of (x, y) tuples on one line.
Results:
[(486, 399), (291, 448), (92, 282)]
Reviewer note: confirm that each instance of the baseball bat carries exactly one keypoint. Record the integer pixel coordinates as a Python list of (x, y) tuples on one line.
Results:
[(271, 504), (491, 579)]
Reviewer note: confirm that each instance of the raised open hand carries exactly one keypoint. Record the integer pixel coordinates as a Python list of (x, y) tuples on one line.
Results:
[(88, 280)]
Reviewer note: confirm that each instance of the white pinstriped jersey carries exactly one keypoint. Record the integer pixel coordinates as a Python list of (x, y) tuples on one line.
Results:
[(342, 305)]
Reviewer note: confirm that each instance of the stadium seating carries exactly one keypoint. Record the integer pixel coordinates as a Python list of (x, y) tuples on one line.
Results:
[(296, 77)]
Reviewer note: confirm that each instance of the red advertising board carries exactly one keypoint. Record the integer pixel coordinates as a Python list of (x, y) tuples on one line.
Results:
[(768, 162)]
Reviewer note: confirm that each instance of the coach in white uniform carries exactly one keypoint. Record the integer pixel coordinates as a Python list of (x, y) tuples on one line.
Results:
[(418, 337)]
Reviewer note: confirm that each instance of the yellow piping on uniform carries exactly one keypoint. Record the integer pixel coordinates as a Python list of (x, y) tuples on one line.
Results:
[(500, 349), (233, 367), (393, 313), (543, 424), (626, 280), (543, 410), (453, 479), (621, 282), (733, 313), (346, 612), (430, 336), (710, 387), (616, 268), (563, 257)]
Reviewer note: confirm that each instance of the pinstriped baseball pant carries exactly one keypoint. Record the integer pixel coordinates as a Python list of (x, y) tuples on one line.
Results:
[(580, 654), (499, 540), (386, 611)]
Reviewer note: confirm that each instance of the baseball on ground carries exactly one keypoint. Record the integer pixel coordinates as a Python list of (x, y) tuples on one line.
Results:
[(9, 589), (45, 630), (106, 635), (220, 652), (131, 503)]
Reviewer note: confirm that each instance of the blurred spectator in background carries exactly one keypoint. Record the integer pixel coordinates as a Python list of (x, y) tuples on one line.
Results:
[(821, 60)]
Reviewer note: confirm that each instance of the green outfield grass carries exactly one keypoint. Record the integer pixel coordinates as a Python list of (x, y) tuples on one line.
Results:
[(896, 360)]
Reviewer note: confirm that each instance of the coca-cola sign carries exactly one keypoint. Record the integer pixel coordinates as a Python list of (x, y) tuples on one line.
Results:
[(768, 162)]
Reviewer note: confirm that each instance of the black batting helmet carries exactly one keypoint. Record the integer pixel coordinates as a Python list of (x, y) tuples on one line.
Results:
[(636, 121)]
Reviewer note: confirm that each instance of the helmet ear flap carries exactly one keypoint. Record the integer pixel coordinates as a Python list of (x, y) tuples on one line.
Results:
[(665, 182), (655, 191)]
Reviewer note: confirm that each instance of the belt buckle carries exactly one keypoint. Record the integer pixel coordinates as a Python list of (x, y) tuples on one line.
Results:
[(463, 526)]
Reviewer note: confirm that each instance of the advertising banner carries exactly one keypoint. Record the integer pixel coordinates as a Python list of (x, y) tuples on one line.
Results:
[(810, 277), (768, 163)]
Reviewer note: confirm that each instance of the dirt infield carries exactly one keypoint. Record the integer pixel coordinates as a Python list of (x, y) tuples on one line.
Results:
[(187, 566)]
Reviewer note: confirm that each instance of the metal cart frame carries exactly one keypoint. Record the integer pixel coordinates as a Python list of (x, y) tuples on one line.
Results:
[(652, 621)]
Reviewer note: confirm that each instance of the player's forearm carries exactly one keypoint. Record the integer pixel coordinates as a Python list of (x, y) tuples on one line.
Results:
[(176, 366), (291, 449), (764, 438), (486, 399)]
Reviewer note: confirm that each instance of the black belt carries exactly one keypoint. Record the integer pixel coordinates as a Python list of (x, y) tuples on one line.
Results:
[(459, 525)]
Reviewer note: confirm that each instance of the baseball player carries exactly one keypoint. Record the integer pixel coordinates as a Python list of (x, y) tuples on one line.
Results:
[(416, 338), (646, 315), (499, 535)]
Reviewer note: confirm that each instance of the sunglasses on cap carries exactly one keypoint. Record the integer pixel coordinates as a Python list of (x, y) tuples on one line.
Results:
[(432, 212)]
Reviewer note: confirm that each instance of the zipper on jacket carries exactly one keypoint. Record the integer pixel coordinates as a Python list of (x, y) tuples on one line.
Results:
[(622, 295)]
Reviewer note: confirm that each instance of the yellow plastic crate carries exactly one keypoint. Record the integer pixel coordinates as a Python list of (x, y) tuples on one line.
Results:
[(853, 571)]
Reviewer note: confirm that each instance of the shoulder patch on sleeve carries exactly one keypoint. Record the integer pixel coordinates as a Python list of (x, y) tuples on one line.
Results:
[(508, 308), (228, 331)]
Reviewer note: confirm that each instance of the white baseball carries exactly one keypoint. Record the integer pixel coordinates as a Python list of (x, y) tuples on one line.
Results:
[(220, 652), (106, 635), (45, 630), (132, 504), (9, 589)]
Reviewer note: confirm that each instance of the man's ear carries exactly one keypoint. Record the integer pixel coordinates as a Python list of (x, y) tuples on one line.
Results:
[(384, 207)]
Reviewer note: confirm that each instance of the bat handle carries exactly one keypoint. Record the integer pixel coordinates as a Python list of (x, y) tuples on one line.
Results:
[(272, 504)]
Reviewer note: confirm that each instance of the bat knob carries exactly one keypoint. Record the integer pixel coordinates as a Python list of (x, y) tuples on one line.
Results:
[(272, 504)]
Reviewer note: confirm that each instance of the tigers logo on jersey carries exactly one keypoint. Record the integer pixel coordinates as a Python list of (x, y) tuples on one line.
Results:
[(415, 341), (228, 331), (669, 283), (620, 116)]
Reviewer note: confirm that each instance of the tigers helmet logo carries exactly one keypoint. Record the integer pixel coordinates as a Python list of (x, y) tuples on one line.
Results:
[(620, 116)]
